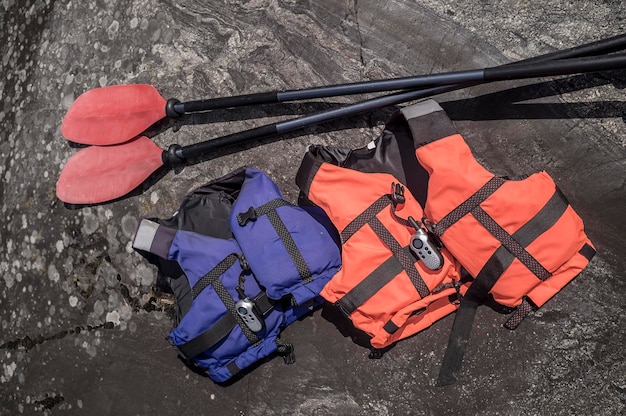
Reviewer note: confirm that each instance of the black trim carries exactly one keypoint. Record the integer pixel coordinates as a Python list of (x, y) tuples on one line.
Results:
[(233, 368), (368, 287), (307, 171), (390, 327), (430, 127), (587, 251)]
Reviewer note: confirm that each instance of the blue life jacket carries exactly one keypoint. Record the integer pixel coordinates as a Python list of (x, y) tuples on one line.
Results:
[(234, 239)]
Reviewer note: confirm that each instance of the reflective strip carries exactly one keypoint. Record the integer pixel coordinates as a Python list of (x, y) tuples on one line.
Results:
[(154, 238), (421, 109)]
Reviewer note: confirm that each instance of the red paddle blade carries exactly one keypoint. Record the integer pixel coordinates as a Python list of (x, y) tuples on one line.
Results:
[(112, 115), (102, 173)]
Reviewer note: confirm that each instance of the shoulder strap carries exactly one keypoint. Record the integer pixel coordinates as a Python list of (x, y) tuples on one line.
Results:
[(220, 329)]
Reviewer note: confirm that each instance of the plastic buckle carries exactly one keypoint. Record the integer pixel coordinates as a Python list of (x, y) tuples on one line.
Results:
[(397, 193), (244, 217), (455, 299), (430, 227), (375, 354)]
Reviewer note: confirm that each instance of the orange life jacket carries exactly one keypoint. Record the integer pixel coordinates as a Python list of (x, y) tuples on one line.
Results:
[(382, 286), (519, 241)]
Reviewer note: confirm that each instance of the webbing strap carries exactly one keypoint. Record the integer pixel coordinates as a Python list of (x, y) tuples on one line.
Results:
[(228, 301), (487, 278), (369, 286), (526, 307), (511, 244), (468, 205), (208, 338), (269, 209), (216, 332), (518, 316), (402, 259), (212, 278), (213, 275), (401, 254), (365, 217)]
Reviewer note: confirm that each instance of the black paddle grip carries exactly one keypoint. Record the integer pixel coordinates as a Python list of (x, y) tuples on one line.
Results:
[(227, 102)]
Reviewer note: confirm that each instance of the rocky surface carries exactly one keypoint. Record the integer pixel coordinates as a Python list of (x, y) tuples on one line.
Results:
[(82, 323)]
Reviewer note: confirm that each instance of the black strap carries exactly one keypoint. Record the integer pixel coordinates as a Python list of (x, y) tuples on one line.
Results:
[(212, 279), (369, 286), (488, 276), (522, 311), (365, 217), (511, 244), (468, 205), (208, 338), (269, 209), (221, 329), (406, 260), (213, 274), (526, 307), (402, 258)]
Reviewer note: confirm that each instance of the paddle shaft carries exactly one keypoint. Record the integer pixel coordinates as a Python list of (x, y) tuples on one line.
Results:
[(485, 75), (177, 154)]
